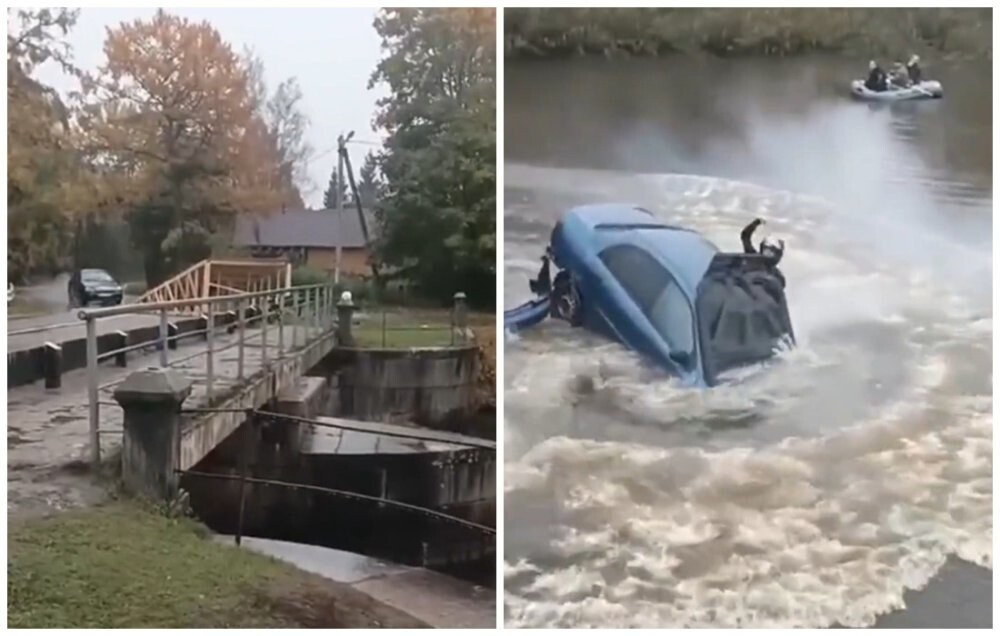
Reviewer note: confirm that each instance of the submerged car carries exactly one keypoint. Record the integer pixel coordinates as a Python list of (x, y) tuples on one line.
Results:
[(93, 285), (663, 291)]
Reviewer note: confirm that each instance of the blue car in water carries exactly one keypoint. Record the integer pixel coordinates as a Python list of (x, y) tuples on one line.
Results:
[(661, 290)]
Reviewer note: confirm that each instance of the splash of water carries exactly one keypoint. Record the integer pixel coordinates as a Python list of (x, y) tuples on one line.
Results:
[(809, 491)]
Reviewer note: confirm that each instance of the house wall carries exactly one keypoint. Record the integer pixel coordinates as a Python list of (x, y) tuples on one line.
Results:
[(353, 261)]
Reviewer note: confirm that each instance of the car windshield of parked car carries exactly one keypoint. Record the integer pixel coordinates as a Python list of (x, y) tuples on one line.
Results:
[(96, 276), (658, 296)]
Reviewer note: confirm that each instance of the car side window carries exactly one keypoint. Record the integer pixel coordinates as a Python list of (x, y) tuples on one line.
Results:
[(656, 293), (672, 317), (638, 272)]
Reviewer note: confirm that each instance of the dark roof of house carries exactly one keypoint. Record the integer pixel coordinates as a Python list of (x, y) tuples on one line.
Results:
[(304, 228)]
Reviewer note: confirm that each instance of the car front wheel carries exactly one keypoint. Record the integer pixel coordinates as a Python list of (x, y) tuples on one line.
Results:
[(567, 303)]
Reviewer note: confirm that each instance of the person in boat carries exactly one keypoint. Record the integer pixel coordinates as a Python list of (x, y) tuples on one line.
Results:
[(899, 77), (876, 77), (913, 70)]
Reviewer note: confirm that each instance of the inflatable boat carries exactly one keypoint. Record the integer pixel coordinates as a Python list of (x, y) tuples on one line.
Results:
[(663, 291), (923, 90)]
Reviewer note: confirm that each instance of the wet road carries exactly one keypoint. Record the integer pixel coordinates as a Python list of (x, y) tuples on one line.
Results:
[(53, 321)]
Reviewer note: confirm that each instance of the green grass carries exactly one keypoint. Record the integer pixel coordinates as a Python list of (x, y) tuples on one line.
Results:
[(403, 338), (406, 327), (125, 565)]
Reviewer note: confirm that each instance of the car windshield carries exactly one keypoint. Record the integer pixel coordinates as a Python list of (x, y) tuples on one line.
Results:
[(658, 296), (743, 319), (96, 276)]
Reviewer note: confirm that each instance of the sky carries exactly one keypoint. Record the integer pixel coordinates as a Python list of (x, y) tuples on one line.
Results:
[(332, 52)]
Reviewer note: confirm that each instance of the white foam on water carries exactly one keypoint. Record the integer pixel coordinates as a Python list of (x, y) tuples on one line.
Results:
[(806, 492)]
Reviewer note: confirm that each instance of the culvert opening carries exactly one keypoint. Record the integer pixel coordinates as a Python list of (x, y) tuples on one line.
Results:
[(371, 488)]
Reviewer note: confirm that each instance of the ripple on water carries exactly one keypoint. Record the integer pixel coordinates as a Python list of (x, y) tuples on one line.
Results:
[(806, 492)]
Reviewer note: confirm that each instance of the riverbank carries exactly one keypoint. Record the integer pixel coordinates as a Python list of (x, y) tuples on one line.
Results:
[(126, 565), (948, 33)]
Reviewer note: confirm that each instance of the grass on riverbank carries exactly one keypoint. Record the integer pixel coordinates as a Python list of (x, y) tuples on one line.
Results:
[(739, 32), (124, 565), (402, 328)]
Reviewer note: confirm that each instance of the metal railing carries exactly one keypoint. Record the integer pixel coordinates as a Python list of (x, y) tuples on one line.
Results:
[(298, 317)]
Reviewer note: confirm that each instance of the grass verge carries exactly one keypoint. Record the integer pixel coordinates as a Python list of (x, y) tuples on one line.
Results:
[(406, 327), (126, 565), (403, 338)]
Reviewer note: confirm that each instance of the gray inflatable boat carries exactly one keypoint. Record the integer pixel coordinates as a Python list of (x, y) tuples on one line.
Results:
[(924, 90)]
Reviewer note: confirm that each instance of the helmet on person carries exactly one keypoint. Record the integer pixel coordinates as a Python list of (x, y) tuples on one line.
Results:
[(772, 248), (872, 65), (913, 60)]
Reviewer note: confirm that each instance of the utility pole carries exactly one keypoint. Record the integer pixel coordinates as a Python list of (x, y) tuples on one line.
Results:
[(340, 204)]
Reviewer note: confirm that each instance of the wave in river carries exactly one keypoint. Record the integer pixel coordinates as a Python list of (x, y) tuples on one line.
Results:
[(809, 491)]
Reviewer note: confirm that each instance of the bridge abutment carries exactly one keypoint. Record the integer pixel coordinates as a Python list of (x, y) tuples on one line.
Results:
[(151, 401)]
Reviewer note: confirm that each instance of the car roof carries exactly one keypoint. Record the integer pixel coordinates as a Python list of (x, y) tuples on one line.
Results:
[(685, 252)]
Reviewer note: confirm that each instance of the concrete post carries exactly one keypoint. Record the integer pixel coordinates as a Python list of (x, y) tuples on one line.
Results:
[(151, 400), (121, 358), (460, 318), (52, 365), (345, 318)]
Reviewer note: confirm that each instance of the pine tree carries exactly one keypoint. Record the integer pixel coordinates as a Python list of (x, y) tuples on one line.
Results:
[(330, 196)]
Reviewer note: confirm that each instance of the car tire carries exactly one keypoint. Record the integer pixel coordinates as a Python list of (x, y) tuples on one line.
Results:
[(567, 304)]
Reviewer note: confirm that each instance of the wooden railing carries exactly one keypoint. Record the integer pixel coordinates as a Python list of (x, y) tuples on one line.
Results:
[(221, 278)]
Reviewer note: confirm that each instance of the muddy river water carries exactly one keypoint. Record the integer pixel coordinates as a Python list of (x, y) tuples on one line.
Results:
[(811, 492)]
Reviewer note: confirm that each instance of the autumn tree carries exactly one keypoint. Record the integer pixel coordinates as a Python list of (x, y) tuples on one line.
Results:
[(45, 180), (438, 212), (286, 125), (172, 108)]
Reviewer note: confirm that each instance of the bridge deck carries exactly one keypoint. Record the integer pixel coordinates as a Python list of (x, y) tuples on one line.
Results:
[(48, 430)]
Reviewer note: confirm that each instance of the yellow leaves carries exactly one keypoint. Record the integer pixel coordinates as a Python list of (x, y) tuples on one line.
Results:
[(173, 93)]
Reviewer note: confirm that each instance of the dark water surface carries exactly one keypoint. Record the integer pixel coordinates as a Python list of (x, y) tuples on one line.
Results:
[(824, 489)]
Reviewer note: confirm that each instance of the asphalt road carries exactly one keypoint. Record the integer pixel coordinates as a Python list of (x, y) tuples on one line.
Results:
[(64, 324)]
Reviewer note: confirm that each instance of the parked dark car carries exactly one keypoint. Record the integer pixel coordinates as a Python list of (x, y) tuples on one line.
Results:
[(93, 286)]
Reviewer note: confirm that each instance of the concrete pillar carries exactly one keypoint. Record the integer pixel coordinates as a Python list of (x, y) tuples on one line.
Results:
[(172, 332), (151, 400), (52, 365), (345, 318), (121, 358), (460, 318)]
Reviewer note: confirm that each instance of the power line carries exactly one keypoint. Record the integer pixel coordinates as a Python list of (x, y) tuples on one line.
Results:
[(324, 153)]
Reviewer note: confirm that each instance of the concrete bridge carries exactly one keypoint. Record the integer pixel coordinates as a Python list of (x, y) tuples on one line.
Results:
[(238, 353), (242, 352)]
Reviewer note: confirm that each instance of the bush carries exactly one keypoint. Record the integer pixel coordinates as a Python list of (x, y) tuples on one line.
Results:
[(305, 275), (739, 31)]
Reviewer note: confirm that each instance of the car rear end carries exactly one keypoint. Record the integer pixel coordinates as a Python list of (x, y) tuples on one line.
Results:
[(743, 314)]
